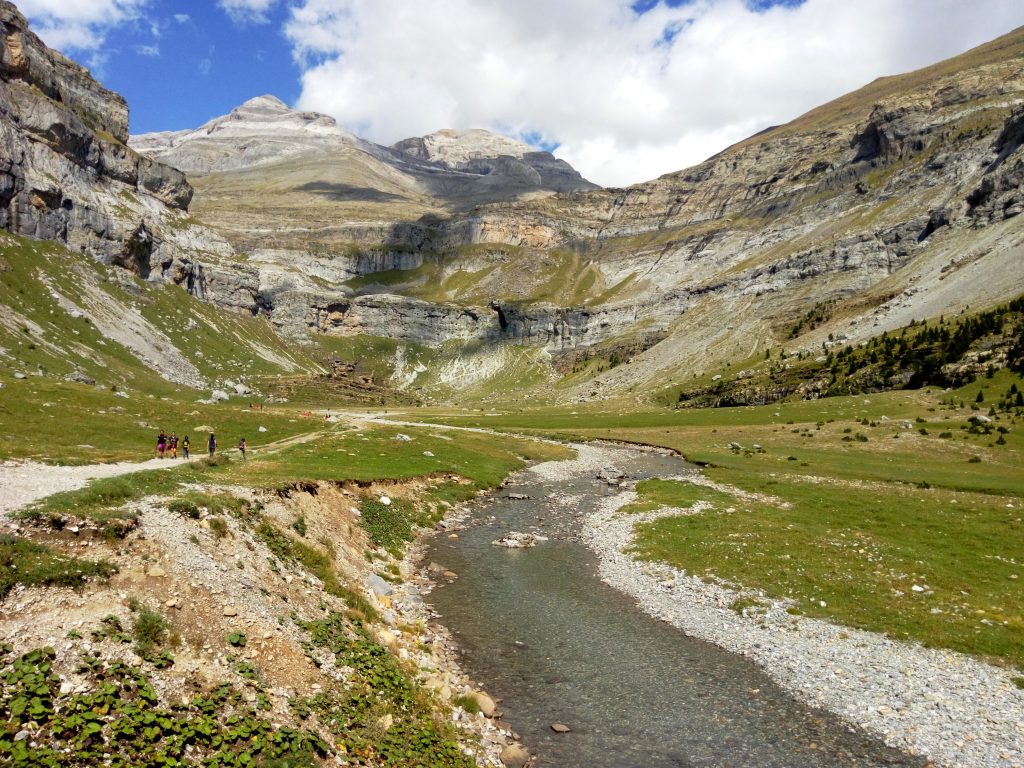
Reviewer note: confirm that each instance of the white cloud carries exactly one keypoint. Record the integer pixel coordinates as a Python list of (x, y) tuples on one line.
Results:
[(153, 51), (247, 11), (182, 18), (627, 96), (80, 25)]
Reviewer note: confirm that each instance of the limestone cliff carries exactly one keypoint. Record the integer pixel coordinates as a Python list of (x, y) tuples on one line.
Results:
[(483, 152), (896, 202), (67, 174)]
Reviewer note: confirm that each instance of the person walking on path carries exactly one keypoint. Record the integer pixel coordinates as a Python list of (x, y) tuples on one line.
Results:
[(241, 446), (172, 443), (184, 447), (161, 444), (212, 445)]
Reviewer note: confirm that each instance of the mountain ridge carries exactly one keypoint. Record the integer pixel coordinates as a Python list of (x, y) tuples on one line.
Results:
[(883, 204), (269, 132)]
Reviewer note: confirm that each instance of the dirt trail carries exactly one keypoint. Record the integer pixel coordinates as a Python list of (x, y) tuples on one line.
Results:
[(22, 482)]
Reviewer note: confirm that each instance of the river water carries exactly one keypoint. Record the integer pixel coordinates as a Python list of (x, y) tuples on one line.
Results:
[(539, 630)]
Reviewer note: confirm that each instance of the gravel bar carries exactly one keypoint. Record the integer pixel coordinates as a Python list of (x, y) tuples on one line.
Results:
[(953, 709)]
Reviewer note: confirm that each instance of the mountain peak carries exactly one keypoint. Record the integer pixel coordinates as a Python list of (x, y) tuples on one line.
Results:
[(455, 148), (261, 130), (265, 103)]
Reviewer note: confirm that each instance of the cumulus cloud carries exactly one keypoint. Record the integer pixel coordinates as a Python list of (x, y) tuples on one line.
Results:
[(625, 95), (247, 11), (79, 25)]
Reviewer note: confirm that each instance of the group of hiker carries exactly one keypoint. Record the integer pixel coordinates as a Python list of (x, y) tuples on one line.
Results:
[(167, 446)]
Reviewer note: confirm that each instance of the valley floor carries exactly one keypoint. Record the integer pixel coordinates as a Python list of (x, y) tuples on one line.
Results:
[(940, 704), (275, 575)]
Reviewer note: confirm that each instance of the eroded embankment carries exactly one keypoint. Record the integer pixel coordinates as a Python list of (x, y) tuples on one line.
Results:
[(240, 627)]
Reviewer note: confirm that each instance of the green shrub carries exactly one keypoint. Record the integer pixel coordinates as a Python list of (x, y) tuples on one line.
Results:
[(218, 527), (150, 632), (26, 562), (389, 526), (467, 702), (184, 508), (236, 639)]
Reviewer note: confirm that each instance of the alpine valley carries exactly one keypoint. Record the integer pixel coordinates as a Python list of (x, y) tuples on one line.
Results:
[(756, 422)]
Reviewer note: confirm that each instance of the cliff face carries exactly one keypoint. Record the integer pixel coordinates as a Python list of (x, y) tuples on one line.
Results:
[(896, 202), (481, 152), (67, 174)]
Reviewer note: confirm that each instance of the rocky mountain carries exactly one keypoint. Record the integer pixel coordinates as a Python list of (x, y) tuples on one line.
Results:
[(483, 152), (899, 201), (311, 207), (262, 130), (68, 175)]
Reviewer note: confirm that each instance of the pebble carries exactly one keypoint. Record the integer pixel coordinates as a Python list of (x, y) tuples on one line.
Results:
[(560, 728)]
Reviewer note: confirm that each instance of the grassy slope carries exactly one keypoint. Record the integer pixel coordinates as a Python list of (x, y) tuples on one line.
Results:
[(45, 417)]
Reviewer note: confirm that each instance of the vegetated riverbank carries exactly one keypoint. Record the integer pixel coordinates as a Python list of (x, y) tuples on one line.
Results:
[(215, 621), (540, 629), (951, 708)]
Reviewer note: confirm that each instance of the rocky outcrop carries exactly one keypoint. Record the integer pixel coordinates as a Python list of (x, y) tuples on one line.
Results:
[(482, 152), (67, 174), (555, 329), (61, 131)]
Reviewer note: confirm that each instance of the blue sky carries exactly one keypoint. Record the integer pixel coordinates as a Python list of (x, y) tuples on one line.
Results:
[(624, 89), (187, 62), (180, 64)]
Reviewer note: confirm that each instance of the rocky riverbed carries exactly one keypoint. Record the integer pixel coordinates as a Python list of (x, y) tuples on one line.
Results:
[(937, 703), (538, 627)]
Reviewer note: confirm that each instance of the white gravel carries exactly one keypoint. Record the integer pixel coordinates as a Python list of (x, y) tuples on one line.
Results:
[(957, 711)]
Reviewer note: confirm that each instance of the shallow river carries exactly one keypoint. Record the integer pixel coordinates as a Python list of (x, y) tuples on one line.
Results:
[(539, 630)]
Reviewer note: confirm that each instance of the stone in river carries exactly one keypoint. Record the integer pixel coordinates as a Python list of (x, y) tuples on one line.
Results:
[(560, 728), (487, 705), (514, 756)]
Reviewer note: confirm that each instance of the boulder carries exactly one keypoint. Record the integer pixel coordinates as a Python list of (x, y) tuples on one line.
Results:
[(81, 377), (517, 540), (380, 586), (488, 707), (514, 756)]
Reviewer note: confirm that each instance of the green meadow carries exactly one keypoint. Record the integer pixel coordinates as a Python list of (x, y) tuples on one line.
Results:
[(840, 506)]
